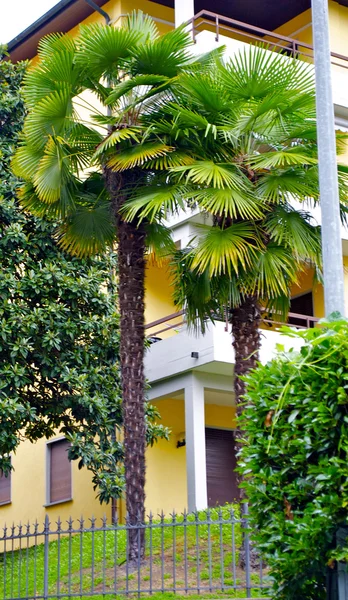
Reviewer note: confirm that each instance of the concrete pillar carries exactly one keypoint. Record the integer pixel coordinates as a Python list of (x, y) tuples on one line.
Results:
[(184, 10), (196, 467)]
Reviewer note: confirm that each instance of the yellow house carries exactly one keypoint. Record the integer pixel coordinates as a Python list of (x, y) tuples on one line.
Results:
[(191, 377)]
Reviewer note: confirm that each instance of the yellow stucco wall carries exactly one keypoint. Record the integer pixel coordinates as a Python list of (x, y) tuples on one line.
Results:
[(166, 486), (158, 298), (28, 490)]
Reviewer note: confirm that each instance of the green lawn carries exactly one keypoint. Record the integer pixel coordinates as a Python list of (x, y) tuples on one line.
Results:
[(210, 562)]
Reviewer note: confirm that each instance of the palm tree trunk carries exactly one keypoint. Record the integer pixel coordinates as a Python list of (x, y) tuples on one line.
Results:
[(131, 286), (246, 343)]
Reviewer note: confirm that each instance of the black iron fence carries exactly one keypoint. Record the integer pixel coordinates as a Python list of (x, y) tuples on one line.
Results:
[(184, 554)]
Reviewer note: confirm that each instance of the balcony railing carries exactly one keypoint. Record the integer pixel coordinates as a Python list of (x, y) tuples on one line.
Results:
[(175, 321), (245, 32)]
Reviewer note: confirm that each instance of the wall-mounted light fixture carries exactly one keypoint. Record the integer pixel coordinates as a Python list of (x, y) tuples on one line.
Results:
[(194, 354), (180, 440)]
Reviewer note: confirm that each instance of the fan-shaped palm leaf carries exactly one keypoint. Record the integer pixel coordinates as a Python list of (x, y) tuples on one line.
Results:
[(155, 202), (138, 155), (115, 137), (292, 229), (49, 117), (100, 48), (163, 56), (229, 202), (88, 230), (226, 251), (274, 270), (210, 173)]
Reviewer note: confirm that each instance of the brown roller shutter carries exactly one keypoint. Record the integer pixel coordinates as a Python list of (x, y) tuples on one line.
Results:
[(5, 488), (60, 471), (221, 464)]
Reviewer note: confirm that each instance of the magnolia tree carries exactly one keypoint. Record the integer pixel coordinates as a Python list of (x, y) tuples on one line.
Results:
[(59, 342)]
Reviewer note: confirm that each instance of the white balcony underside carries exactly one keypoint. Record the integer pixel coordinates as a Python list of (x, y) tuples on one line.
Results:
[(172, 356)]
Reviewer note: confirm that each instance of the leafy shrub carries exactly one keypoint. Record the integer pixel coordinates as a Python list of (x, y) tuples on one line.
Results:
[(295, 459)]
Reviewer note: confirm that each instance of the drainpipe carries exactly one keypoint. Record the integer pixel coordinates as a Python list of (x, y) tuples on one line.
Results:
[(100, 11)]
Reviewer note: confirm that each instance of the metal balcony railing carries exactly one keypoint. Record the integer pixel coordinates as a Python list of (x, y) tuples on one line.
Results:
[(251, 34), (176, 320)]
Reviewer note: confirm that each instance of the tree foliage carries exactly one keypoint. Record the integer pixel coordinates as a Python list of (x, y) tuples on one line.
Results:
[(59, 341), (295, 459)]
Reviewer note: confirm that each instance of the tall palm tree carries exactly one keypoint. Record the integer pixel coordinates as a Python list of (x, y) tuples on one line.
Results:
[(244, 137), (81, 162)]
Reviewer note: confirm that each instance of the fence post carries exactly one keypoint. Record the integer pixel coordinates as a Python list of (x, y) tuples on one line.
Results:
[(46, 555), (247, 548)]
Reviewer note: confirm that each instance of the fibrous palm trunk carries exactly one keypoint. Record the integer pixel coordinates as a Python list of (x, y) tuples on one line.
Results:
[(246, 343), (131, 285), (245, 321)]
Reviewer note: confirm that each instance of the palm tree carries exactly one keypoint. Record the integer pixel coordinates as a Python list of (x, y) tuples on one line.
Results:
[(244, 137), (82, 150)]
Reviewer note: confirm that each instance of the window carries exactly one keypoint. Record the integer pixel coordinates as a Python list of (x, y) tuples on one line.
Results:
[(59, 472), (5, 488), (302, 305)]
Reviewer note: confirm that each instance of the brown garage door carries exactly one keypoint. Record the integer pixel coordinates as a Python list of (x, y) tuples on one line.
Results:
[(221, 462)]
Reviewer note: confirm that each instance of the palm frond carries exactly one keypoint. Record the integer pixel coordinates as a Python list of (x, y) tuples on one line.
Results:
[(168, 161), (53, 172), (256, 71), (138, 155), (283, 158), (100, 48), (115, 137), (89, 230), (143, 24), (155, 202), (229, 202), (226, 251), (26, 161), (298, 183), (165, 55), (219, 175), (274, 270), (293, 230), (54, 43), (49, 117), (138, 81)]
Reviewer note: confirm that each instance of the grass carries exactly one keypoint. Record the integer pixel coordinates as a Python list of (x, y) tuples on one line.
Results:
[(210, 562)]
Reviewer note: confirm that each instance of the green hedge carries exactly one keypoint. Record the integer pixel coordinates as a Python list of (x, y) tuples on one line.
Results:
[(295, 459)]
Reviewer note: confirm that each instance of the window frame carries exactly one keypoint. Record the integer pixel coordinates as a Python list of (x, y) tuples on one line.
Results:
[(48, 502), (6, 502)]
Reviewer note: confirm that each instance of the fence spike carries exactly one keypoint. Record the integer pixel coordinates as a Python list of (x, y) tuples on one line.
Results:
[(59, 523), (104, 519), (27, 525), (81, 521)]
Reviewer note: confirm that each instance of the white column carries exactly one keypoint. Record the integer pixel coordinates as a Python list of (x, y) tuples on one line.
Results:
[(196, 468), (184, 10)]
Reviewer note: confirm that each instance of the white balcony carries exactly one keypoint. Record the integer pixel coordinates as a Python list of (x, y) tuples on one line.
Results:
[(211, 30), (175, 349)]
